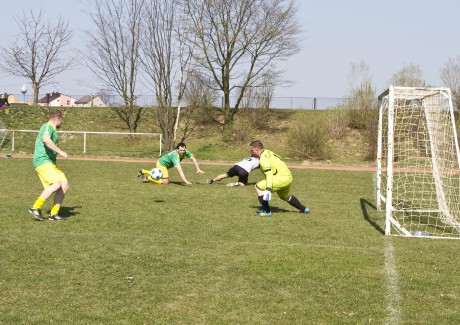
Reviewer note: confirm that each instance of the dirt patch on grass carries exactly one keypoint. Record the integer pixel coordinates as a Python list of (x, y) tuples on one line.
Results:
[(306, 164)]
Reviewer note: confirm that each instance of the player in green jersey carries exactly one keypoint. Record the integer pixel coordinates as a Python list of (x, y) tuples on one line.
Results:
[(168, 161), (278, 178), (44, 161)]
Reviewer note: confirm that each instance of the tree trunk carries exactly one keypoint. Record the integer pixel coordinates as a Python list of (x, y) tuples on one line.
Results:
[(36, 89)]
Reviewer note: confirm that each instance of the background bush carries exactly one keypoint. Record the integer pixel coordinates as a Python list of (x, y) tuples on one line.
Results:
[(307, 138)]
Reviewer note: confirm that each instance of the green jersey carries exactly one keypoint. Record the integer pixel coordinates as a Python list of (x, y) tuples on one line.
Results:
[(42, 153), (272, 166), (173, 158)]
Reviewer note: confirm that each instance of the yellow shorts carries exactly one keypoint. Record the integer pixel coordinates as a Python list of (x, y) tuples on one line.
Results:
[(163, 169), (49, 173), (281, 185)]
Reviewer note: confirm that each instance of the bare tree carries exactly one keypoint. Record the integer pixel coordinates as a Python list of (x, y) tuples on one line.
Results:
[(200, 99), (363, 112), (450, 75), (38, 53), (165, 61), (409, 76), (260, 96), (238, 40), (362, 94), (114, 52)]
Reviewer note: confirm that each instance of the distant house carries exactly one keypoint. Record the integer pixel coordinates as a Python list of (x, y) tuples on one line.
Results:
[(90, 101), (57, 99), (16, 102)]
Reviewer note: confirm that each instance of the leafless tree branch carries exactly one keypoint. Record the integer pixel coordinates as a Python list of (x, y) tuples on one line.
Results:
[(38, 52)]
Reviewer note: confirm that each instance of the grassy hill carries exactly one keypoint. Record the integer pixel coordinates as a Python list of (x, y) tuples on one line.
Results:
[(273, 128)]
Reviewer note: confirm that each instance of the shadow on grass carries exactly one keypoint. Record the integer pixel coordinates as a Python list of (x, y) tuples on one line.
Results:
[(67, 212), (366, 206), (272, 208), (178, 183), (170, 183)]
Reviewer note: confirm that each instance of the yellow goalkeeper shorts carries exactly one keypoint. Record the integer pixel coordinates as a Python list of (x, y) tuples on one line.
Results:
[(281, 185)]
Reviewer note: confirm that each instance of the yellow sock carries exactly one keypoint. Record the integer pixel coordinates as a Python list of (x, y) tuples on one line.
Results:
[(39, 203), (150, 179), (55, 209)]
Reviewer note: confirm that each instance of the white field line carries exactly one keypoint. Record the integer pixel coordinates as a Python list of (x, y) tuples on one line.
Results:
[(392, 297)]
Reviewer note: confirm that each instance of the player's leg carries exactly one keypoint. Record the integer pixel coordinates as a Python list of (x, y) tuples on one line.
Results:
[(148, 179), (292, 200), (164, 180), (260, 188), (58, 198), (243, 177), (283, 194), (143, 172), (235, 171), (218, 178), (50, 178)]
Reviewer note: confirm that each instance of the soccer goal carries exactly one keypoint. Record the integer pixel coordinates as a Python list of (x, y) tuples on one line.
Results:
[(418, 180)]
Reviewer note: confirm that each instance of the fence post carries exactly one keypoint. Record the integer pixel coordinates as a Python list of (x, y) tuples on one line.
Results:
[(161, 142), (84, 142), (314, 103)]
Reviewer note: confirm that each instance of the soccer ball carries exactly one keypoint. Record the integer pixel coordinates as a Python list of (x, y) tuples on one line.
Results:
[(156, 173)]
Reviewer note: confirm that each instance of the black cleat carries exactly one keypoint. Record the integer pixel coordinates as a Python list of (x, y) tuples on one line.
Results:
[(55, 217), (37, 213)]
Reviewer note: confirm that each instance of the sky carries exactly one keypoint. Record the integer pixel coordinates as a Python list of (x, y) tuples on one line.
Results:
[(386, 35)]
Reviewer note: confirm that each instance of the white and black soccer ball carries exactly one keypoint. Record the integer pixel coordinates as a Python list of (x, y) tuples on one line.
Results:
[(156, 173)]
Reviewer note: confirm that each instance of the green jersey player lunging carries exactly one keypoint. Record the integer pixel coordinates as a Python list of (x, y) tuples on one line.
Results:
[(168, 161)]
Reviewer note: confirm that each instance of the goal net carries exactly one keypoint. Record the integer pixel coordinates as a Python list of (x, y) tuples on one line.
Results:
[(418, 180)]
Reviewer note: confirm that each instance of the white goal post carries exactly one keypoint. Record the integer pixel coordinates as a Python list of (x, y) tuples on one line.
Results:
[(418, 163)]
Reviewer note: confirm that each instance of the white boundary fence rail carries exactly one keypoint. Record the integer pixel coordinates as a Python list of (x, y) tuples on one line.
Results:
[(84, 136)]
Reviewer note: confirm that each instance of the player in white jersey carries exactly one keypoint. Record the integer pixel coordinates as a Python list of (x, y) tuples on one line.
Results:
[(240, 169)]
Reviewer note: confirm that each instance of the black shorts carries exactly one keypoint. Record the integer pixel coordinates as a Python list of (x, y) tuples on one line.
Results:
[(240, 172)]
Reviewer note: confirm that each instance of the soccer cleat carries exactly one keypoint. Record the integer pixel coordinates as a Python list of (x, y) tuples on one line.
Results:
[(307, 210), (139, 174), (209, 181), (55, 217), (37, 213), (233, 184), (263, 213)]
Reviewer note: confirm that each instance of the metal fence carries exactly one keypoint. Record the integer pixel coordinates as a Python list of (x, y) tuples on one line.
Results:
[(308, 103), (77, 141)]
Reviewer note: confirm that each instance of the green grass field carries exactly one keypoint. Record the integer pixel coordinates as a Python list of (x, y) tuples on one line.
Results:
[(133, 253)]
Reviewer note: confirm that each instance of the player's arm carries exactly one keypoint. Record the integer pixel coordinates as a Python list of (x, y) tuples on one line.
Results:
[(266, 168), (51, 145), (269, 178), (198, 170), (182, 175)]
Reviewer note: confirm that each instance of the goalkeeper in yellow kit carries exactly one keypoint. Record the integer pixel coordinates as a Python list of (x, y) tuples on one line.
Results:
[(278, 178)]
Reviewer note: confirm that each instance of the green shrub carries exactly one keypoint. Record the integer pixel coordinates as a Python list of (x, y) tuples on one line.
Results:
[(307, 139), (338, 125)]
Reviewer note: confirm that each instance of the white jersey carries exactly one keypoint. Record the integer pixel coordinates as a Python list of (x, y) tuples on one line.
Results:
[(248, 164)]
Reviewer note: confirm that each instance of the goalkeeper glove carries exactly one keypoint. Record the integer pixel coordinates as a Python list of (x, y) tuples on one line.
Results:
[(267, 194)]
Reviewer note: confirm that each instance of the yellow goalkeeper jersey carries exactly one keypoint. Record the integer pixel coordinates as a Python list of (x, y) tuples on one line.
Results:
[(272, 166)]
